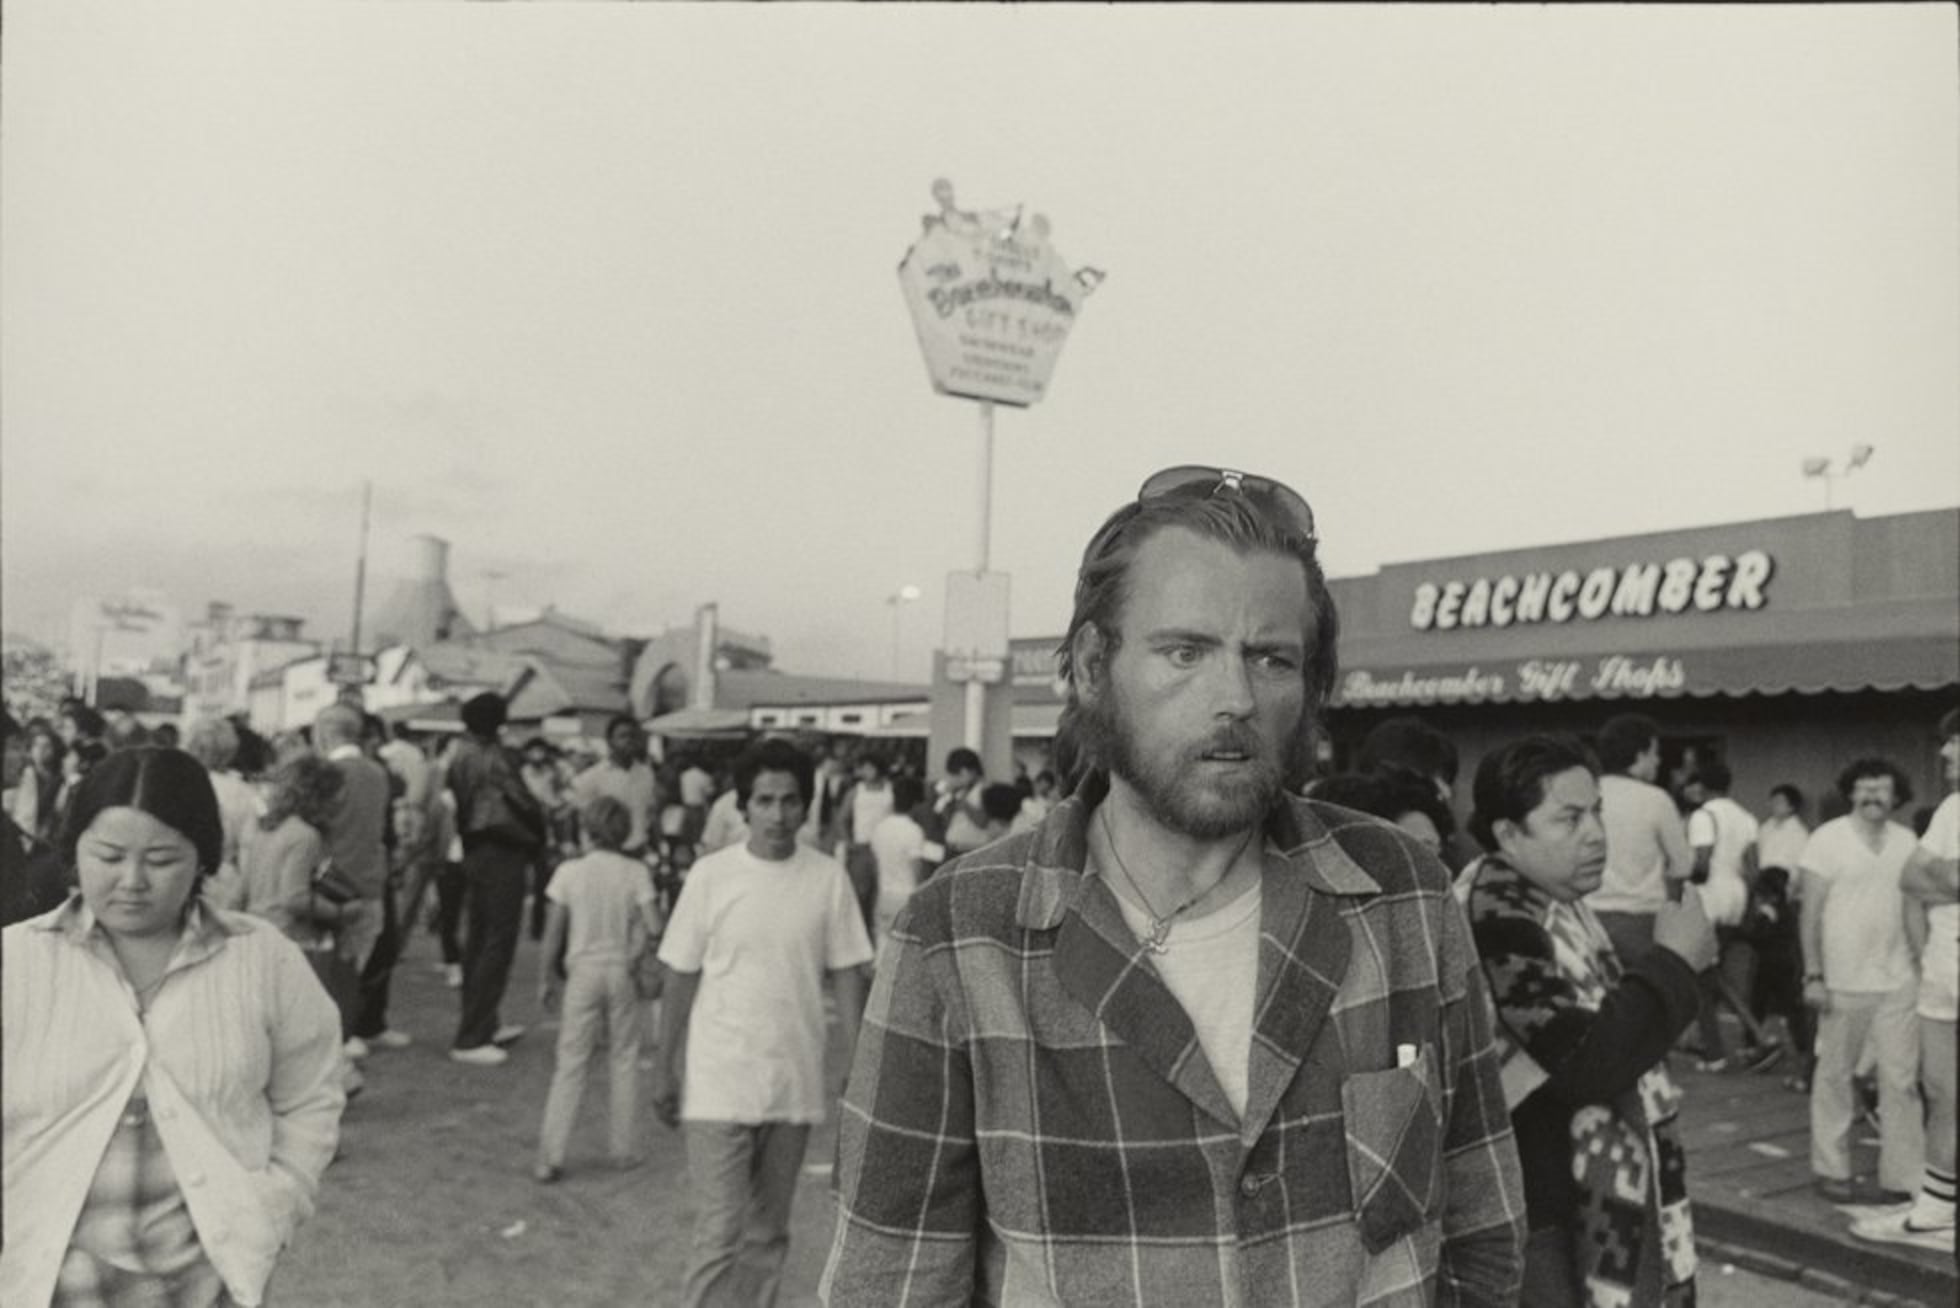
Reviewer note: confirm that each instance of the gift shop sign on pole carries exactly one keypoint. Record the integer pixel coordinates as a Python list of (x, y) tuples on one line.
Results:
[(992, 303)]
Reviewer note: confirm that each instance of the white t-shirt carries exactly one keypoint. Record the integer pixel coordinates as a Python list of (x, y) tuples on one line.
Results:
[(696, 786), (1644, 846), (869, 807), (1727, 831), (632, 786), (725, 825), (1864, 935), (1780, 842), (1939, 966), (1212, 967), (602, 893), (761, 934), (895, 843)]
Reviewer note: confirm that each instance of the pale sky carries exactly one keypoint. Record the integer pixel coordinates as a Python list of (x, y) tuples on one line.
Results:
[(607, 294)]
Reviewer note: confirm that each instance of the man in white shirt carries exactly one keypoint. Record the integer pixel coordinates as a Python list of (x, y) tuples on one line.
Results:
[(1932, 882), (756, 931), (1722, 834), (1859, 976), (1647, 857), (624, 775), (898, 845)]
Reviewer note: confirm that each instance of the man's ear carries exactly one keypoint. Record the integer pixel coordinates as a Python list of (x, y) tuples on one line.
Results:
[(1088, 660)]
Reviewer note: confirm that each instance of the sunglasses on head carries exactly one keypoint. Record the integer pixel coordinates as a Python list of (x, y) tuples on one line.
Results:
[(1296, 513)]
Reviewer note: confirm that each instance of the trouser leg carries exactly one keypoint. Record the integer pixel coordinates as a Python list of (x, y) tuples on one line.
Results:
[(579, 1015), (496, 911), (452, 889), (765, 1243), (1833, 1103), (719, 1163), (1938, 1074), (623, 1028), (371, 1013), (1708, 1018), (1901, 1112)]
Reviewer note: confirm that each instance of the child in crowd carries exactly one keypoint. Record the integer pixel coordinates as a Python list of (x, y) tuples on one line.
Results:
[(602, 914)]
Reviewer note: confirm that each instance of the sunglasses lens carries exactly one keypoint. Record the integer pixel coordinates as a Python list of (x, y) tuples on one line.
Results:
[(1298, 512)]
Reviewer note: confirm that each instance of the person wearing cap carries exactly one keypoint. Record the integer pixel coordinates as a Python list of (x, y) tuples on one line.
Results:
[(1191, 1040)]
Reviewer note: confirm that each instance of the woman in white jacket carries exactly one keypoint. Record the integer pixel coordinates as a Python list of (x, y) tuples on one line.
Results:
[(172, 1091)]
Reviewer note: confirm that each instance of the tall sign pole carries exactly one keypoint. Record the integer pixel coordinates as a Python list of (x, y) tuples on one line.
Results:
[(992, 303)]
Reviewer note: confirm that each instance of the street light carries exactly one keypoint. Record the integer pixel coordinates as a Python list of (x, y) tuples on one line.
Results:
[(1823, 469), (898, 599)]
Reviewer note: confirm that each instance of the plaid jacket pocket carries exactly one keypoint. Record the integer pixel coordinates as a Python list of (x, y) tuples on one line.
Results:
[(1394, 1126)]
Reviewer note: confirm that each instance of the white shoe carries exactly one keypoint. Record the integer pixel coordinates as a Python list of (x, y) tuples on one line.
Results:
[(507, 1034), (452, 975), (393, 1039), (1898, 1228), (481, 1056), (355, 1048)]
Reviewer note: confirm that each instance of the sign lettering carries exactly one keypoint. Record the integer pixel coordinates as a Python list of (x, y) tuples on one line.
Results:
[(1638, 590)]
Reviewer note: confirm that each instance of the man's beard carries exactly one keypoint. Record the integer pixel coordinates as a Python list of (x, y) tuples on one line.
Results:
[(1171, 781)]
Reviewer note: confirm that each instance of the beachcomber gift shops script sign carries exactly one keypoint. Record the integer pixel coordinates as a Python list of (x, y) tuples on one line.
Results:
[(991, 300)]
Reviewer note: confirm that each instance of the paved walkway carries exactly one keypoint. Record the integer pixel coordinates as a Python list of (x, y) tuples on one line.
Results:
[(1748, 1143)]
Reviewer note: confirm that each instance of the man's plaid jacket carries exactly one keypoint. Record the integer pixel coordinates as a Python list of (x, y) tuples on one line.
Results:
[(1031, 1120)]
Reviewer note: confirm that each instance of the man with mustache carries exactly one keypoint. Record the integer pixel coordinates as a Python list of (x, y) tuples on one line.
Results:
[(1191, 1040)]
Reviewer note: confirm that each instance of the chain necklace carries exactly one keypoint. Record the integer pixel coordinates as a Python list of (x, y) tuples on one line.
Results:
[(1158, 941)]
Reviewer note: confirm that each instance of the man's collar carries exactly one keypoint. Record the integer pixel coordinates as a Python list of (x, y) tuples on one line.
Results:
[(339, 752), (1054, 868)]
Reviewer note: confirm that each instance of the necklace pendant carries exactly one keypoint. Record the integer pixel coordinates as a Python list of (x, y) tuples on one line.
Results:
[(1158, 942)]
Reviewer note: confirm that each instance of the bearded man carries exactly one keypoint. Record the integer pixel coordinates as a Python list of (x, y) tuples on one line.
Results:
[(1191, 1040)]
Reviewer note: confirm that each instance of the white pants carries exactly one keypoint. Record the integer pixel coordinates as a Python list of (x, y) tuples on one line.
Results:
[(596, 996), (1890, 1023)]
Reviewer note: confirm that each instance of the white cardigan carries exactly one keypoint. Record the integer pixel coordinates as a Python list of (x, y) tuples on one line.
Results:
[(239, 1057)]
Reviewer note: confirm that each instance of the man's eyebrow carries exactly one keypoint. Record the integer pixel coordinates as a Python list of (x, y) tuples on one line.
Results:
[(1180, 635)]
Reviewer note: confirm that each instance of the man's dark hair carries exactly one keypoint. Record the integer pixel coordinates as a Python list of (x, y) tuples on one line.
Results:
[(1510, 780), (1867, 769), (774, 755), (1244, 519), (484, 714), (1410, 744), (908, 792), (876, 762), (1624, 739), (619, 720), (89, 725), (962, 759), (539, 742), (1714, 776), (168, 784), (1001, 802), (1790, 793)]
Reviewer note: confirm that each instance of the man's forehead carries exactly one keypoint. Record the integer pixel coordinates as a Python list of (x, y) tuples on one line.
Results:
[(1179, 578)]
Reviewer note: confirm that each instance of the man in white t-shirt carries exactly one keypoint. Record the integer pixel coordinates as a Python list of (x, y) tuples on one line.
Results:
[(1722, 834), (1647, 858), (624, 775), (1932, 884), (757, 929), (1859, 976), (898, 845)]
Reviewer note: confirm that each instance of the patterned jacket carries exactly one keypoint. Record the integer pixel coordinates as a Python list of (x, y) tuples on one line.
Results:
[(1032, 1120)]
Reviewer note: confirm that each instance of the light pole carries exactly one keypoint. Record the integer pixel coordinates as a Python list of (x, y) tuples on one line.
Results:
[(898, 599), (491, 576), (1827, 471)]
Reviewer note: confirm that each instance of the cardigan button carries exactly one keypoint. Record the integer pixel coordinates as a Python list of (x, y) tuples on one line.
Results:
[(1249, 1186)]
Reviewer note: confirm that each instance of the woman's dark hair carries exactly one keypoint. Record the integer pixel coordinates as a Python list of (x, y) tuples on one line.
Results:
[(168, 784), (41, 728), (908, 792), (1387, 795), (307, 787), (1410, 744), (1001, 802), (1510, 780), (1790, 793), (1871, 769), (775, 755)]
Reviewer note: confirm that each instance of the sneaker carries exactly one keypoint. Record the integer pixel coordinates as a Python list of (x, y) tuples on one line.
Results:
[(545, 1173), (481, 1056), (1761, 1058), (1898, 1228), (352, 1082), (393, 1039), (452, 975), (507, 1034), (355, 1048)]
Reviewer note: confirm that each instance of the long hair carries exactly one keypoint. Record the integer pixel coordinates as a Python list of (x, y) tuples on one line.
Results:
[(1244, 519)]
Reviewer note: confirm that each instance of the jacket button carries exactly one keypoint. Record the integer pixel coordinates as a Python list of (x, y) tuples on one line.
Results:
[(1249, 1187)]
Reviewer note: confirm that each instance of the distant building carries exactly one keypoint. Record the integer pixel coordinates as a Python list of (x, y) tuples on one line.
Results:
[(227, 649)]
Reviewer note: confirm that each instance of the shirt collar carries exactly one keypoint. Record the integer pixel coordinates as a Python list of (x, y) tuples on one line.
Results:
[(204, 928), (339, 752), (1056, 856)]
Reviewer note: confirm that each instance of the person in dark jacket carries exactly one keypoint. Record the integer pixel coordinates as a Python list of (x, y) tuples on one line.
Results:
[(1583, 1040), (32, 880)]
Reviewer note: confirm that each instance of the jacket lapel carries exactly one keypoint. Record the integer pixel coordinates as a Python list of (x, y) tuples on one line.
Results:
[(1304, 946)]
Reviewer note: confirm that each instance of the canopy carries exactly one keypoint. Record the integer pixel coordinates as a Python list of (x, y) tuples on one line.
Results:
[(702, 723)]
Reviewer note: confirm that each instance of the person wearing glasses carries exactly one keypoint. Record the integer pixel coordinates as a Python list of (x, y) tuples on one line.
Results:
[(1191, 1040)]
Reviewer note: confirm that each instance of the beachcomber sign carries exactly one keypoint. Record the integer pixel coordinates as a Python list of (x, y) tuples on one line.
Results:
[(991, 300), (1638, 590)]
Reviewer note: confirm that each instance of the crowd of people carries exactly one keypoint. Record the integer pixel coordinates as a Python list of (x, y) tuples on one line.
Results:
[(1175, 1023)]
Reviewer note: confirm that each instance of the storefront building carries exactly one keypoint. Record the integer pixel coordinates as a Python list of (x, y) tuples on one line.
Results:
[(1786, 647)]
